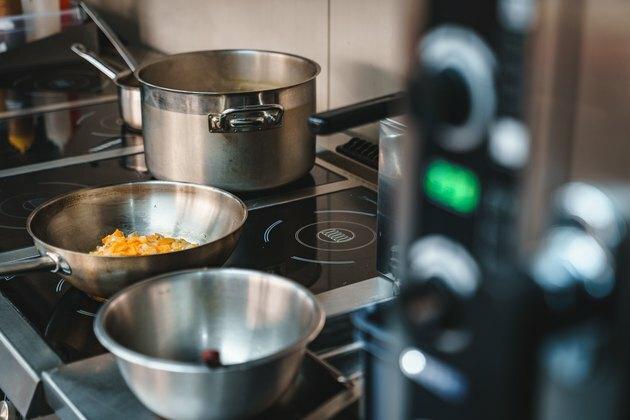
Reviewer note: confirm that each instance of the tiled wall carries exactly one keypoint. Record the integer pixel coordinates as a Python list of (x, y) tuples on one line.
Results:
[(294, 26), (358, 43), (368, 48)]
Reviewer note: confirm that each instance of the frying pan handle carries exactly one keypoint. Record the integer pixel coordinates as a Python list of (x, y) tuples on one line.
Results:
[(48, 262), (336, 120)]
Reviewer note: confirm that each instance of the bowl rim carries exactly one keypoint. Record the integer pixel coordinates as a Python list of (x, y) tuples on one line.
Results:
[(64, 251), (132, 356)]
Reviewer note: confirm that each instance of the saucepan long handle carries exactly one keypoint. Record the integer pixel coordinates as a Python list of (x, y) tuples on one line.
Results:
[(46, 262), (336, 120), (94, 60), (111, 35)]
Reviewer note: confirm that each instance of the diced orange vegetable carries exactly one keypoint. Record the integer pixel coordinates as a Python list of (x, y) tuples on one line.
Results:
[(117, 244)]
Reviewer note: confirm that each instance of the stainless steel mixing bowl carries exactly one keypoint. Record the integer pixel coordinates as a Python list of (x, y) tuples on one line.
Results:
[(260, 324)]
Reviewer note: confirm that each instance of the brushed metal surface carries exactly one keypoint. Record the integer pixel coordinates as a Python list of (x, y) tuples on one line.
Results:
[(183, 94), (260, 323), (70, 226), (23, 355), (91, 389), (343, 300), (70, 390)]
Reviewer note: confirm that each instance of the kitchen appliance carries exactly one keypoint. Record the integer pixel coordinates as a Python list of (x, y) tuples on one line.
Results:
[(464, 304), (127, 85), (259, 324), (46, 323), (66, 229), (235, 119)]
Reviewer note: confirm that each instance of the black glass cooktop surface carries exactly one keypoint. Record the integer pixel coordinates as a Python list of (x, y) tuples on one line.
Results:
[(322, 242), (58, 134)]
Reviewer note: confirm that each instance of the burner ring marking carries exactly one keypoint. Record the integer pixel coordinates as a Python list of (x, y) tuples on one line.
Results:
[(372, 234), (269, 229), (335, 235)]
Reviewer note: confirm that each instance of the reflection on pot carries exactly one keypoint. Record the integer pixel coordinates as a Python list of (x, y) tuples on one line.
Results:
[(21, 134), (134, 162)]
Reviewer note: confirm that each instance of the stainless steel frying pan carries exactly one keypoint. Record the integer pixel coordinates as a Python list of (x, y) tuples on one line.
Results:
[(65, 229)]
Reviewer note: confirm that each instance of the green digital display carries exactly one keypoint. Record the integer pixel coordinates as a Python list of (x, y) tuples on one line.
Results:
[(452, 186)]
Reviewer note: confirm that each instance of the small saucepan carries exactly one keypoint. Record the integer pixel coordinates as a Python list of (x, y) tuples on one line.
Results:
[(128, 86), (66, 228)]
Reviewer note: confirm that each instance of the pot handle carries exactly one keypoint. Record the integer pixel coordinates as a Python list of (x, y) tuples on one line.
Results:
[(246, 118), (48, 262)]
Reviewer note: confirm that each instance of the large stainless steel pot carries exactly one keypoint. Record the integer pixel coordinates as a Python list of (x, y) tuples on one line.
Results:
[(258, 322), (65, 229), (235, 119)]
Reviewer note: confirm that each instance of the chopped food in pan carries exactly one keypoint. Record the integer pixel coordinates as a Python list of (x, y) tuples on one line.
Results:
[(119, 245)]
